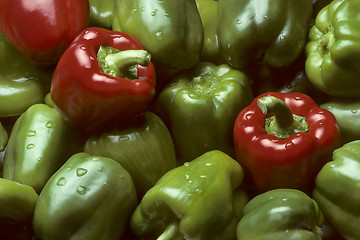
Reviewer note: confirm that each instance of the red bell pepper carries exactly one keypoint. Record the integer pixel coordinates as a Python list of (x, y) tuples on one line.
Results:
[(283, 139), (42, 30), (103, 78)]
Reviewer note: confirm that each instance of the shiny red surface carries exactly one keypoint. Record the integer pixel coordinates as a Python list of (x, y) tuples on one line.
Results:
[(89, 98), (42, 29), (290, 162)]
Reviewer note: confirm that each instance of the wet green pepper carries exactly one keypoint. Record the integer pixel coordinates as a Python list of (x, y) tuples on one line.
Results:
[(22, 84), (171, 31), (101, 13), (39, 143), (199, 200), (199, 107), (286, 214), (89, 197), (333, 50), (347, 114), (263, 33), (337, 190), (143, 147)]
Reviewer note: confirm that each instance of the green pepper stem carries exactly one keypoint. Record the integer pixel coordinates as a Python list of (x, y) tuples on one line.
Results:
[(120, 63), (171, 232), (284, 123)]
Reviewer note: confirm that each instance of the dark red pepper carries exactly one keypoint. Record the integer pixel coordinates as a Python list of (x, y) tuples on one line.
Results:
[(42, 30), (279, 149), (90, 99)]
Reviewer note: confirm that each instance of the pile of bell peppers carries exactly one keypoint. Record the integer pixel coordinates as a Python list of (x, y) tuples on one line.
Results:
[(186, 120)]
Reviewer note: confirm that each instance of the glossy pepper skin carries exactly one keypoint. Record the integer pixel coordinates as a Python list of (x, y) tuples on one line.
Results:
[(171, 31), (198, 200), (4, 137), (208, 13), (39, 144), (17, 201), (101, 13), (262, 33), (333, 50), (337, 190), (274, 151), (90, 99), (89, 197), (347, 114), (22, 84), (200, 106), (281, 214), (17, 204), (41, 32), (144, 147)]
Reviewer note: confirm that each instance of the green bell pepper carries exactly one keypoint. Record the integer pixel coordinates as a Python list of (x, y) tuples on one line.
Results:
[(171, 31), (39, 144), (263, 34), (333, 50), (281, 214), (22, 84), (17, 204), (199, 107), (101, 13), (337, 190), (198, 200), (4, 137), (89, 197), (208, 13), (17, 201), (143, 147), (347, 114)]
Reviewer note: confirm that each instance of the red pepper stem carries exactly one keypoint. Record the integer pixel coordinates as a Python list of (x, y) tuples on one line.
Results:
[(119, 63), (284, 123), (281, 110)]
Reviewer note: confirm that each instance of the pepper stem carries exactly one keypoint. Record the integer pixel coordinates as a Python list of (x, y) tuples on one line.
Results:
[(171, 232), (122, 63), (284, 123)]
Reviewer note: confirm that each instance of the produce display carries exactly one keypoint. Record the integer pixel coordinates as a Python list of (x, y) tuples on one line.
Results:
[(179, 120)]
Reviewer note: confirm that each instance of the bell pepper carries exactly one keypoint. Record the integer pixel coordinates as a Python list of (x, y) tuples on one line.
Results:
[(333, 50), (42, 31), (48, 101), (194, 201), (39, 144), (22, 84), (262, 34), (17, 204), (89, 197), (171, 31), (104, 77), (281, 214), (337, 190), (208, 13), (143, 147), (318, 5), (199, 107), (4, 137), (347, 114), (283, 139), (101, 13)]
